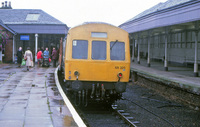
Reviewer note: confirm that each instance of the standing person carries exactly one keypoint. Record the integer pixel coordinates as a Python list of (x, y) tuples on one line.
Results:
[(39, 57), (29, 58), (42, 49), (46, 53), (54, 57), (45, 56), (19, 56)]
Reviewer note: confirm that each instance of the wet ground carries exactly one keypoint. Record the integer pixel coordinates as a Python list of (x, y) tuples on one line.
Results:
[(152, 110), (31, 98)]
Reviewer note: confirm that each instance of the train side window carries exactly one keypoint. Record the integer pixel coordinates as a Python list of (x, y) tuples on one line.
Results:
[(80, 49), (98, 50), (117, 50)]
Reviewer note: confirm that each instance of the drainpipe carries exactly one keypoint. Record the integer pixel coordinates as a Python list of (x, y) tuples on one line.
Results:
[(13, 55)]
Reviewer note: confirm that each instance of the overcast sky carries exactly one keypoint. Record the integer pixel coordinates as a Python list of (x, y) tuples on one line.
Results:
[(75, 12)]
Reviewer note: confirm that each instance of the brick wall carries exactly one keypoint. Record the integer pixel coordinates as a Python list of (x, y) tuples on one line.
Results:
[(8, 47)]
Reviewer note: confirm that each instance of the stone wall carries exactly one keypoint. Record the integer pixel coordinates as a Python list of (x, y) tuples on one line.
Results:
[(167, 89)]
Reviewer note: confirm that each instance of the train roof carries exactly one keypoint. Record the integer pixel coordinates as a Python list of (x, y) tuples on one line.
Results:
[(86, 23)]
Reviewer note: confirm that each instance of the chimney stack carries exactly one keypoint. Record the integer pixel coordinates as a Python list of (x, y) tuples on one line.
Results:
[(2, 4), (9, 4), (6, 4)]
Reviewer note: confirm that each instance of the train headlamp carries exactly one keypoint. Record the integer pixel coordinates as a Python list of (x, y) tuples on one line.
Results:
[(76, 73)]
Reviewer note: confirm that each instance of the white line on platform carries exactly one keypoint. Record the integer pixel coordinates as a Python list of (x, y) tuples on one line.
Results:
[(75, 115)]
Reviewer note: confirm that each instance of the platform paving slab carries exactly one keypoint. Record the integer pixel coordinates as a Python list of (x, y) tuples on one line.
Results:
[(31, 99), (181, 79)]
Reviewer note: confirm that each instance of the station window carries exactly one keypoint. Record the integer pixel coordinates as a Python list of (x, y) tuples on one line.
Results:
[(98, 50), (117, 50), (80, 49)]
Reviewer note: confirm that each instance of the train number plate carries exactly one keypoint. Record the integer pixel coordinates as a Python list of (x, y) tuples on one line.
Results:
[(120, 67)]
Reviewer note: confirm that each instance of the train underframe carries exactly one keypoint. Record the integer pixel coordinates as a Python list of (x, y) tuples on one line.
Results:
[(99, 92)]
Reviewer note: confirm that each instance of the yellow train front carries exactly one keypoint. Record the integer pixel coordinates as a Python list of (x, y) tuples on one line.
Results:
[(96, 62)]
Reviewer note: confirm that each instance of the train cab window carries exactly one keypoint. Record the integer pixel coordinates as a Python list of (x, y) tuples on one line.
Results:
[(98, 50), (80, 49), (117, 50)]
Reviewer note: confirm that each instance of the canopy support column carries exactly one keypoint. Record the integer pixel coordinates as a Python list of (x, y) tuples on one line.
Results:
[(196, 73), (36, 45)]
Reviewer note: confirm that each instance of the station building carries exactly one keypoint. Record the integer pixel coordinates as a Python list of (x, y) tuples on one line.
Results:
[(24, 28), (167, 32)]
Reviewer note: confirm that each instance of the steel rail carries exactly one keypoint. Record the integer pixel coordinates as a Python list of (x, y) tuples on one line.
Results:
[(124, 116)]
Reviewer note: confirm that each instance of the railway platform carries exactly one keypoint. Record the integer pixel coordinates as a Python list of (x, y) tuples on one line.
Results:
[(31, 98), (179, 78)]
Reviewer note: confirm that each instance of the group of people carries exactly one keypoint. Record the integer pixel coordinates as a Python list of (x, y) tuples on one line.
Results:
[(28, 57)]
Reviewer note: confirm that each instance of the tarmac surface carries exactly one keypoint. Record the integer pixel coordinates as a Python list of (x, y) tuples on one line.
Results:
[(31, 98)]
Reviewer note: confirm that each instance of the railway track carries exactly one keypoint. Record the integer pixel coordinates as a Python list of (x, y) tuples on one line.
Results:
[(96, 116), (126, 117), (143, 106), (99, 115)]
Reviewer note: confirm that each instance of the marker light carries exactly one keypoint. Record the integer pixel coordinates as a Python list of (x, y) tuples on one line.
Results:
[(119, 75)]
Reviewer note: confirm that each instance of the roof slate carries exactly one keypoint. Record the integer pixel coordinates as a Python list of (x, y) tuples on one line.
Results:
[(5, 26), (18, 16), (160, 6)]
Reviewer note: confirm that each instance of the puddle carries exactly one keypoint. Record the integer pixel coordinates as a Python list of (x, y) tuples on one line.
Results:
[(50, 78), (54, 89), (40, 73), (4, 97), (1, 80), (33, 85), (7, 67), (50, 81), (14, 82), (50, 75), (51, 84)]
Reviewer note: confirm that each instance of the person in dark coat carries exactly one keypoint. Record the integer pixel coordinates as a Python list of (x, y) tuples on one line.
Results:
[(19, 56), (54, 57)]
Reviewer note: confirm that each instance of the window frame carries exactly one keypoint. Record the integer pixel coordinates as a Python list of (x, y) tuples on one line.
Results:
[(86, 51), (124, 51), (105, 49)]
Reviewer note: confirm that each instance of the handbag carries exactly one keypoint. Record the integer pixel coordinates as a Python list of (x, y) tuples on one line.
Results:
[(25, 58), (23, 62), (32, 64)]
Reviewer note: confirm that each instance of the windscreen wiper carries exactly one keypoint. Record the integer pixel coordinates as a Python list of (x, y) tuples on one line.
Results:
[(113, 44)]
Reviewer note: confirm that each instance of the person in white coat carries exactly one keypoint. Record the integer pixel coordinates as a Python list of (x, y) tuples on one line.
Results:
[(29, 58)]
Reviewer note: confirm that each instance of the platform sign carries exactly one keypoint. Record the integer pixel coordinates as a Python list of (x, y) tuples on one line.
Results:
[(24, 37)]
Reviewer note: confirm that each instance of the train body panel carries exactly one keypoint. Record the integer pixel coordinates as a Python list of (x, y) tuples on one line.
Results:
[(97, 71), (92, 69)]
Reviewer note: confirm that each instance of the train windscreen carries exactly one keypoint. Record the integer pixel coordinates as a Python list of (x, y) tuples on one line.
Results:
[(117, 50), (98, 50), (80, 49)]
